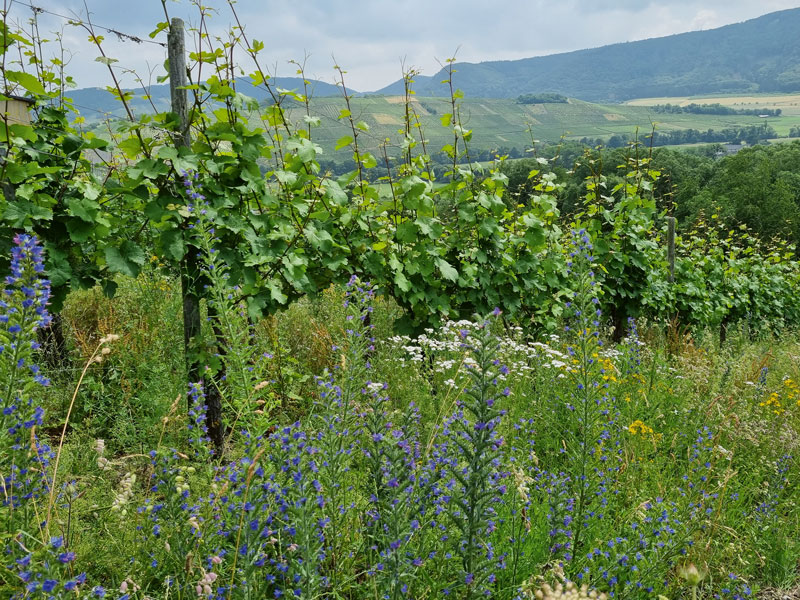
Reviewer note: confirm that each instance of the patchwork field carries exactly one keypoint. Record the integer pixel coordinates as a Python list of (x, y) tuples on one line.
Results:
[(502, 123), (788, 103)]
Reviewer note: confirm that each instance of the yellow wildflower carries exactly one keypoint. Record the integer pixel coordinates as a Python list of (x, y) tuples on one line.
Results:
[(638, 427)]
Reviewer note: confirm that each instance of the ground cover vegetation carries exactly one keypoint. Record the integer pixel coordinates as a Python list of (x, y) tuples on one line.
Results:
[(277, 382)]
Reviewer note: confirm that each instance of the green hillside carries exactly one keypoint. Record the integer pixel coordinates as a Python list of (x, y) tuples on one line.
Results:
[(759, 55), (503, 123), (498, 123)]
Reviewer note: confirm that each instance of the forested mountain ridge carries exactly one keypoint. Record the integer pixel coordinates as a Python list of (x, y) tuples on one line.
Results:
[(101, 100), (759, 55)]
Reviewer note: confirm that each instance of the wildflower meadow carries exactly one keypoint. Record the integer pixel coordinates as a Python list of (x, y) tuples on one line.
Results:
[(229, 373), (502, 467)]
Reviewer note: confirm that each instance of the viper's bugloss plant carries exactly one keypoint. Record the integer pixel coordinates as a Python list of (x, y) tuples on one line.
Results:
[(345, 392), (588, 414), (34, 564), (396, 508), (23, 311), (472, 432)]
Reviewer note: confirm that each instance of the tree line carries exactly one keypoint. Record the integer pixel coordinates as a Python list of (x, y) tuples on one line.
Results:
[(715, 109), (543, 98), (748, 134)]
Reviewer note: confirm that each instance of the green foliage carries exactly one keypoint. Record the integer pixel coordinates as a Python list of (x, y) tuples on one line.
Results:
[(620, 220), (545, 98), (442, 251), (53, 190), (756, 187), (724, 276)]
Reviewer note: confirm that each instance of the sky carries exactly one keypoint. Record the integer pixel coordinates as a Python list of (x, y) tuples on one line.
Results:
[(372, 40)]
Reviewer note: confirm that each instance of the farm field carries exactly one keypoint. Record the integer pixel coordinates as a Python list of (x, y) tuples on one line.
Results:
[(789, 104)]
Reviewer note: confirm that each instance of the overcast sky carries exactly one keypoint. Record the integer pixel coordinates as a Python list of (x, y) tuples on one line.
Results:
[(370, 39)]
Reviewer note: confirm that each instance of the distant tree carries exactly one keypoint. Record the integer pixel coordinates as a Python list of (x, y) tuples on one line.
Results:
[(617, 141), (544, 98), (758, 186)]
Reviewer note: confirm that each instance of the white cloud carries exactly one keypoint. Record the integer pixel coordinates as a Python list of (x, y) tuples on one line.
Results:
[(705, 19)]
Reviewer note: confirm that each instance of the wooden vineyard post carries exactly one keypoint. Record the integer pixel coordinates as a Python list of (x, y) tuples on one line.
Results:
[(671, 248), (176, 49), (191, 303), (190, 271)]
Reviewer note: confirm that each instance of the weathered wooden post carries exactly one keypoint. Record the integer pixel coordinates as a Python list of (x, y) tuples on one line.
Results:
[(671, 247), (190, 271), (176, 50), (16, 111)]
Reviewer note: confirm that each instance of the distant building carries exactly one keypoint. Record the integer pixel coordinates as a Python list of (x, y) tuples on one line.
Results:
[(728, 149)]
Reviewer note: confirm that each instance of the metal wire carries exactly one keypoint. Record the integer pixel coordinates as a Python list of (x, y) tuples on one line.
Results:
[(76, 21)]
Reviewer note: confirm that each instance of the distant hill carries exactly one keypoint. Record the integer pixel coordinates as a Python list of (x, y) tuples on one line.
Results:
[(502, 123), (99, 100), (761, 54)]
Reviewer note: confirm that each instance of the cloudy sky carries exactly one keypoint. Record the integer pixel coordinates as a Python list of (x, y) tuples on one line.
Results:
[(371, 39)]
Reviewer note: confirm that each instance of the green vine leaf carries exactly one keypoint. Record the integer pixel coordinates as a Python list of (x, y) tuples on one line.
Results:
[(29, 82), (128, 259), (448, 272)]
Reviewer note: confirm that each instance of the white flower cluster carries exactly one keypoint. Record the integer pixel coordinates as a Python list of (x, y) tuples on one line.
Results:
[(375, 387), (123, 496), (102, 462), (105, 351), (567, 592), (522, 482), (447, 347)]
